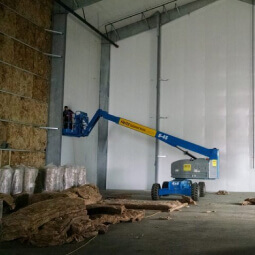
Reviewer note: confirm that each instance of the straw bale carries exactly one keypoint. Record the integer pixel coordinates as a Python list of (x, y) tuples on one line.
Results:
[(19, 158), (10, 3), (38, 139), (23, 56), (25, 82), (4, 158), (42, 40), (4, 103), (40, 89), (15, 81), (25, 110), (38, 11), (3, 132), (25, 31), (44, 15), (18, 136), (6, 49), (41, 64), (40, 113), (13, 106), (7, 21), (28, 9), (35, 159)]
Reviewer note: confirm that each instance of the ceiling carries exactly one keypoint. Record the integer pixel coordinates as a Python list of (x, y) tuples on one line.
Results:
[(102, 12)]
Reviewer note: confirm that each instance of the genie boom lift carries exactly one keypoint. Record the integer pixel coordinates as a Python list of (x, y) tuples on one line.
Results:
[(182, 170)]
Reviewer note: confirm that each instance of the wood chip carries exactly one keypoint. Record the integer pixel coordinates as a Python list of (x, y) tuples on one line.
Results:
[(222, 192)]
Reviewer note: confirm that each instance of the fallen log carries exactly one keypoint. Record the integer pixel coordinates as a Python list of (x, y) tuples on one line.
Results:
[(105, 209), (147, 205)]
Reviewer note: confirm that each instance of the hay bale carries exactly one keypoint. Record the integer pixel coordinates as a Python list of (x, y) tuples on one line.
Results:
[(42, 40), (4, 158), (15, 81), (35, 159), (38, 139), (6, 49), (41, 64), (3, 132), (13, 106), (40, 89), (18, 136), (7, 21), (10, 3), (25, 31)]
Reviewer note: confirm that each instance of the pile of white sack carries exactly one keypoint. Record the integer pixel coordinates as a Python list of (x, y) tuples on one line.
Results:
[(18, 179)]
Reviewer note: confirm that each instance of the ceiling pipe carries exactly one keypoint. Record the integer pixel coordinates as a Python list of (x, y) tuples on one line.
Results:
[(86, 23)]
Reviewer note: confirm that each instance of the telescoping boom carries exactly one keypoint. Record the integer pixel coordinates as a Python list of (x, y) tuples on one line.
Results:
[(193, 168)]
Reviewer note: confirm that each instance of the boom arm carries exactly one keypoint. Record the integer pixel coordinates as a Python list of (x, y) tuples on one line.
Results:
[(212, 154)]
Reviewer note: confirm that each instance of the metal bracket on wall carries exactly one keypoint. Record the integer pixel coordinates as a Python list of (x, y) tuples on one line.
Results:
[(177, 8), (144, 18), (52, 55), (117, 34), (166, 12), (53, 31)]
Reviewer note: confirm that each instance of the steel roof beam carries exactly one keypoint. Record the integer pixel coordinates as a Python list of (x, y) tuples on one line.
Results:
[(166, 17)]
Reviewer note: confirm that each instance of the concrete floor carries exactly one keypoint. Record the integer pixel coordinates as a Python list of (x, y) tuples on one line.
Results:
[(228, 230)]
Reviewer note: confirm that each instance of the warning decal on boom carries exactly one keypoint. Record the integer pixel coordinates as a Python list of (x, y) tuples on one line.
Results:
[(137, 127)]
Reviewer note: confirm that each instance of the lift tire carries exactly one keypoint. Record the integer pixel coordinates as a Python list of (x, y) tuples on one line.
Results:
[(195, 191), (154, 191), (202, 189)]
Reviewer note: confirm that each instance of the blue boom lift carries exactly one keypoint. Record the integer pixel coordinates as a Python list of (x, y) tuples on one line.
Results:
[(182, 170)]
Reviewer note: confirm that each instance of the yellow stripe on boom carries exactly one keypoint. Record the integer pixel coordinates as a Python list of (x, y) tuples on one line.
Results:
[(137, 127)]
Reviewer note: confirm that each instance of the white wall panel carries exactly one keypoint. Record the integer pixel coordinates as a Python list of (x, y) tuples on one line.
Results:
[(207, 58), (131, 155), (81, 92)]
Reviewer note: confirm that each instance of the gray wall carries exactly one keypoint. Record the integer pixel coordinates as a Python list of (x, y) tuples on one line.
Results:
[(81, 92)]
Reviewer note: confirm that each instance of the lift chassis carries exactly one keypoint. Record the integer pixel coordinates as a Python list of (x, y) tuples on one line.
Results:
[(183, 171)]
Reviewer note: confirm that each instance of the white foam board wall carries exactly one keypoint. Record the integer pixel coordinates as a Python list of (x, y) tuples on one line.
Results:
[(81, 92), (131, 155), (207, 100)]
